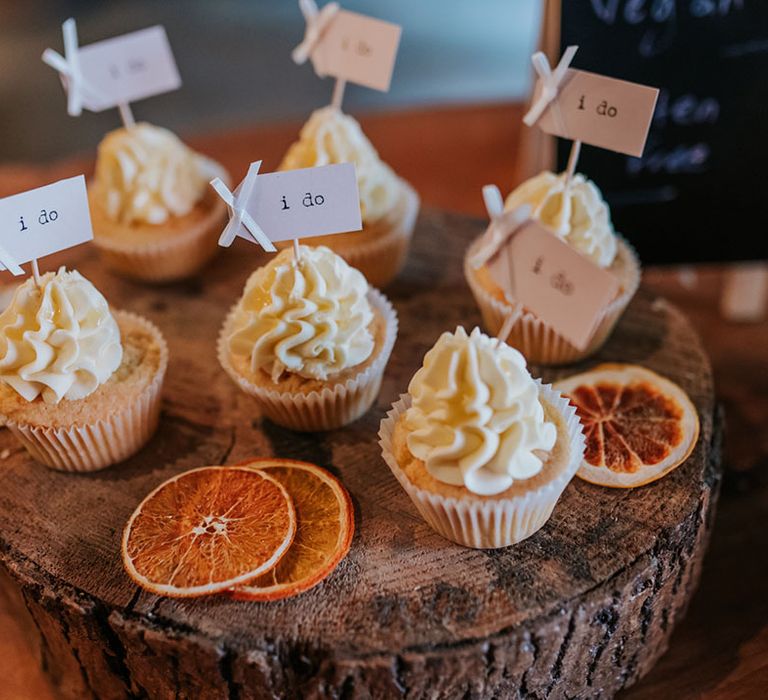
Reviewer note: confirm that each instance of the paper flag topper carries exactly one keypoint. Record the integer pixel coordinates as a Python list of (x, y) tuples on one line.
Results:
[(115, 71), (598, 110), (348, 46), (291, 204), (42, 221), (503, 225), (539, 271)]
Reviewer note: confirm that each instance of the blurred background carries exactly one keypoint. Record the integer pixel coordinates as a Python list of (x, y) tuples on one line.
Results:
[(235, 63), (234, 57), (234, 60)]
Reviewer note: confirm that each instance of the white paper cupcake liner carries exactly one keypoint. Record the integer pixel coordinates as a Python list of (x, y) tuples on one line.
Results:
[(381, 258), (169, 258), (111, 439), (539, 342), (335, 405), (493, 522)]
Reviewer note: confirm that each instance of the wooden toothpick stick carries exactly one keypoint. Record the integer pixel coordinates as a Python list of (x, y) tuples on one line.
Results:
[(126, 114), (573, 158), (338, 93), (36, 272), (509, 322), (296, 250)]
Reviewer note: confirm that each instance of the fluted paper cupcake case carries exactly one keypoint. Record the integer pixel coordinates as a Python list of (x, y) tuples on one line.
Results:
[(381, 258), (168, 259), (171, 258), (111, 439), (494, 522), (335, 405), (538, 341)]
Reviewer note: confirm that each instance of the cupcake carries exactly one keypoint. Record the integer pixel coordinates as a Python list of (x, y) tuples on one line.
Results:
[(80, 384), (309, 340), (582, 219), (154, 217), (483, 450), (389, 205)]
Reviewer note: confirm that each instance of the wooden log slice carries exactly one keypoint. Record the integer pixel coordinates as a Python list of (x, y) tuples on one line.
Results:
[(581, 609)]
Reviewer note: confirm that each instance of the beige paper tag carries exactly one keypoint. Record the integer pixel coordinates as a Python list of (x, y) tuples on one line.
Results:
[(557, 283), (44, 220), (601, 111), (358, 49), (128, 68)]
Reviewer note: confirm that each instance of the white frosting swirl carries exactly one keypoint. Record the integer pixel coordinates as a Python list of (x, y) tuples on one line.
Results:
[(582, 218), (329, 137), (310, 318), (59, 341), (145, 174), (476, 419)]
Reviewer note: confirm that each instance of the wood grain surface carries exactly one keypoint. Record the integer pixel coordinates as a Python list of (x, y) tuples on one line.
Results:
[(581, 609), (720, 650)]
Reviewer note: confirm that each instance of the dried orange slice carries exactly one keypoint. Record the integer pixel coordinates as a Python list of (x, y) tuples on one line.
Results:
[(326, 523), (638, 425), (207, 530)]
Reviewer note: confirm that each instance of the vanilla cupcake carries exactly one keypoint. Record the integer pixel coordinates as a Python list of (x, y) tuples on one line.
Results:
[(154, 216), (309, 340), (483, 450), (582, 219), (389, 205), (80, 384)]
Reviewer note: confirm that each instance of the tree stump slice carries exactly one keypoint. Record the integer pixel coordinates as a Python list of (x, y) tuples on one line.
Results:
[(581, 609)]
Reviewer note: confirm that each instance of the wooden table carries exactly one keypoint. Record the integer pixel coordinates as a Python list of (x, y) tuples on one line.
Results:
[(721, 648)]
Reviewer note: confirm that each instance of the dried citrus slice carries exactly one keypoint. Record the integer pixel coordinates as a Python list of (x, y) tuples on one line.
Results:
[(326, 523), (638, 425), (207, 530)]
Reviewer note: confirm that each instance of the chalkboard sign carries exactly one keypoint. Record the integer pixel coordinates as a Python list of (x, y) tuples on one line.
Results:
[(700, 190)]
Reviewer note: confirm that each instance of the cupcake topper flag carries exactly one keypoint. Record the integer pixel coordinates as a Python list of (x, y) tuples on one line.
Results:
[(537, 270), (114, 72), (348, 46), (504, 224), (43, 221), (590, 108), (291, 204)]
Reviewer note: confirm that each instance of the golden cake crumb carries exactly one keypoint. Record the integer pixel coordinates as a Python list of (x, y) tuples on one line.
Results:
[(142, 234), (416, 471), (143, 355), (296, 384)]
